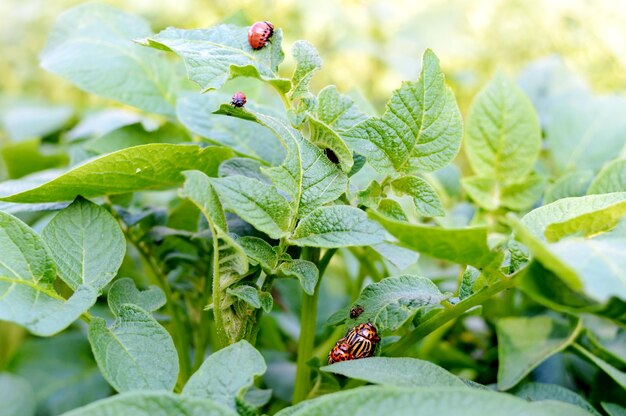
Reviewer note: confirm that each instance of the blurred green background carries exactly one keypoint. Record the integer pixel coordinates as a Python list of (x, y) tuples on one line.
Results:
[(367, 46)]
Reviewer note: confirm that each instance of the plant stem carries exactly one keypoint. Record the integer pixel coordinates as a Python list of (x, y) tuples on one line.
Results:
[(308, 321), (221, 338), (447, 315)]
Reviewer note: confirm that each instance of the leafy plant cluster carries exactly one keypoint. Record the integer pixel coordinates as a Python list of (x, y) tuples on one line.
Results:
[(190, 235)]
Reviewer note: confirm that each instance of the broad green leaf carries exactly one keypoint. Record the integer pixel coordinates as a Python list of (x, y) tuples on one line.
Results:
[(14, 154), (524, 343), (491, 195), (195, 111), (215, 55), (86, 243), (391, 209), (503, 136), (394, 300), (60, 384), (612, 178), (470, 276), (571, 184), (226, 373), (421, 129), (585, 132), (91, 46), (303, 270), (308, 62), (17, 396), (136, 135), (259, 251), (199, 190), (540, 391), (123, 292), (370, 196), (428, 401), (259, 204), (396, 255), (152, 166), (136, 352), (459, 245), (614, 373), (337, 226), (306, 174), (614, 409), (147, 403), (253, 297), (27, 274), (424, 196), (338, 111), (24, 120), (590, 223), (243, 166), (399, 372), (326, 138), (566, 209)]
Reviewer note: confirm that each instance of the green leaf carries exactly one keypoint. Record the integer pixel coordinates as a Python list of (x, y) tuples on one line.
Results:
[(428, 401), (27, 274), (86, 244), (136, 135), (396, 255), (226, 373), (540, 392), (124, 292), (326, 138), (14, 155), (571, 184), (585, 132), (614, 373), (459, 245), (394, 300), (503, 135), (614, 409), (470, 276), (195, 111), (338, 111), (308, 62), (337, 226), (399, 372), (199, 190), (91, 46), (17, 396), (259, 252), (60, 384), (303, 270), (306, 174), (24, 120), (257, 203), (391, 209), (151, 166), (566, 209), (243, 166), (421, 129), (590, 223), (524, 343), (215, 55), (612, 178), (136, 352), (491, 195), (253, 297), (147, 403), (424, 196)]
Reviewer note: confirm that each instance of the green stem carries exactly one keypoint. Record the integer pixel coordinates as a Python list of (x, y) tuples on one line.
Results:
[(447, 315), (308, 321), (221, 338)]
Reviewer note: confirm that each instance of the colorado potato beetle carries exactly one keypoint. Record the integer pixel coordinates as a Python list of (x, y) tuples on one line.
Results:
[(356, 311), (239, 99), (340, 352), (363, 340), (259, 34)]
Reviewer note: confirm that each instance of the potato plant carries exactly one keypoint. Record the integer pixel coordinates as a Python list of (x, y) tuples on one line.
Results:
[(184, 255)]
